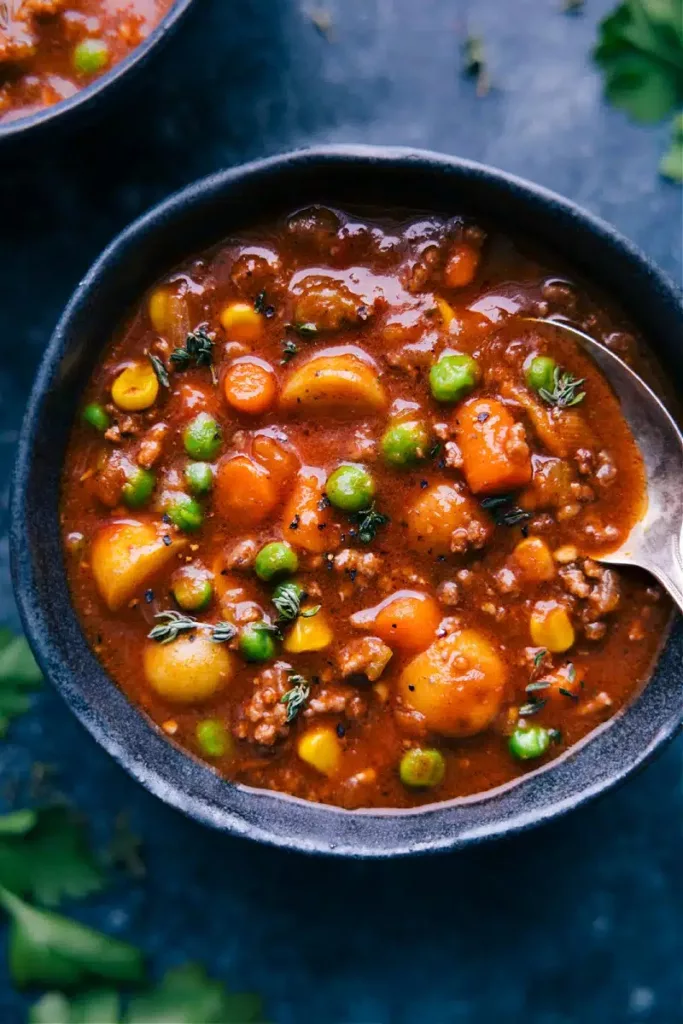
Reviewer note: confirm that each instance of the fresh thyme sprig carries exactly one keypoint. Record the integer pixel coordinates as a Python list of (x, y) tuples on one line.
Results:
[(296, 697), (173, 623), (369, 520), (565, 392), (198, 350), (288, 598)]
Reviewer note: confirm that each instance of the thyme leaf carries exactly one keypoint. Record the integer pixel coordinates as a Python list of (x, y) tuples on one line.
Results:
[(198, 351), (532, 707), (369, 520), (173, 623), (289, 350), (565, 392), (503, 510), (160, 371), (305, 330), (296, 697)]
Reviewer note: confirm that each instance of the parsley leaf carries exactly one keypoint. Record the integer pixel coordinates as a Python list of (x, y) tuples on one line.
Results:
[(97, 1007), (187, 995), (49, 859), (19, 675), (671, 164), (48, 949), (640, 51)]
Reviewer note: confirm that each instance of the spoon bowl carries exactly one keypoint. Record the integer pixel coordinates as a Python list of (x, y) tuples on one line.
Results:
[(655, 541)]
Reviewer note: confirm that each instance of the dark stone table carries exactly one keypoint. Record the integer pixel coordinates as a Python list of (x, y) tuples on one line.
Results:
[(581, 921)]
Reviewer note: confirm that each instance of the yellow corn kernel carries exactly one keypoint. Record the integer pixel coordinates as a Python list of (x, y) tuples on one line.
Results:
[(446, 311), (321, 749), (242, 322), (551, 627), (535, 559), (310, 634), (136, 387)]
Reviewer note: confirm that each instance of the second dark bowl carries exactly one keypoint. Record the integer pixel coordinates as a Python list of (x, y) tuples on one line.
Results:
[(193, 220), (65, 115)]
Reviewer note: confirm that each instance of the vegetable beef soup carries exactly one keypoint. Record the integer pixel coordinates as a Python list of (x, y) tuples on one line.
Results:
[(49, 49), (332, 504)]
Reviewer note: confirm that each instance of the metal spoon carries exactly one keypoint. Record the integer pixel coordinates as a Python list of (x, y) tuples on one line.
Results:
[(655, 541)]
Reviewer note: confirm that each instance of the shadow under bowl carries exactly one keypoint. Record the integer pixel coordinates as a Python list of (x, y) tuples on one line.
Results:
[(67, 114), (189, 222)]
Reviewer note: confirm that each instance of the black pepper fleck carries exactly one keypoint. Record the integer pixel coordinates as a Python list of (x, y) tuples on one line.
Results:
[(167, 540), (341, 731), (149, 596), (424, 483)]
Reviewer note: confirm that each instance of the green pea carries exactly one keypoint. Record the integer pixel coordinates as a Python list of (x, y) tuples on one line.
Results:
[(138, 487), (257, 642), (350, 488), (422, 768), (540, 373), (276, 559), (213, 738), (90, 56), (453, 377), (96, 417), (184, 512), (405, 442), (199, 477), (529, 742), (202, 437), (192, 588)]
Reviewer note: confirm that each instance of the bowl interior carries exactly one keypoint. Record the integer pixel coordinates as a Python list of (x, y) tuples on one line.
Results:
[(196, 219), (85, 98)]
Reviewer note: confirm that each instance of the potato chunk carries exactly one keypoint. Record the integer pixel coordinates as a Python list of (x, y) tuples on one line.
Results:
[(341, 385), (125, 554), (444, 521), (189, 669), (456, 684)]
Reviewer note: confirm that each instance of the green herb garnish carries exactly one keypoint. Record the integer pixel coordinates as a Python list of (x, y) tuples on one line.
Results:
[(160, 371), (532, 707), (305, 330), (671, 164), (369, 521), (48, 858), (173, 623), (296, 697), (19, 676), (289, 350), (198, 351), (565, 392), (49, 949), (503, 510)]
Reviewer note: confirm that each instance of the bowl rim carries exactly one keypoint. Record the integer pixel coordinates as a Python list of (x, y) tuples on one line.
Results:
[(237, 808), (86, 97)]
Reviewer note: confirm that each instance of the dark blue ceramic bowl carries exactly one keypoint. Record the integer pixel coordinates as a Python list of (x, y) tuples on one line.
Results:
[(194, 219), (68, 113)]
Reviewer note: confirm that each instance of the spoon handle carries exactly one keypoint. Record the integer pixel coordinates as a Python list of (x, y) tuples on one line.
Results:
[(664, 562)]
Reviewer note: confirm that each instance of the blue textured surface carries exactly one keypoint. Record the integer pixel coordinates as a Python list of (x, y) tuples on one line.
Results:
[(578, 922)]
